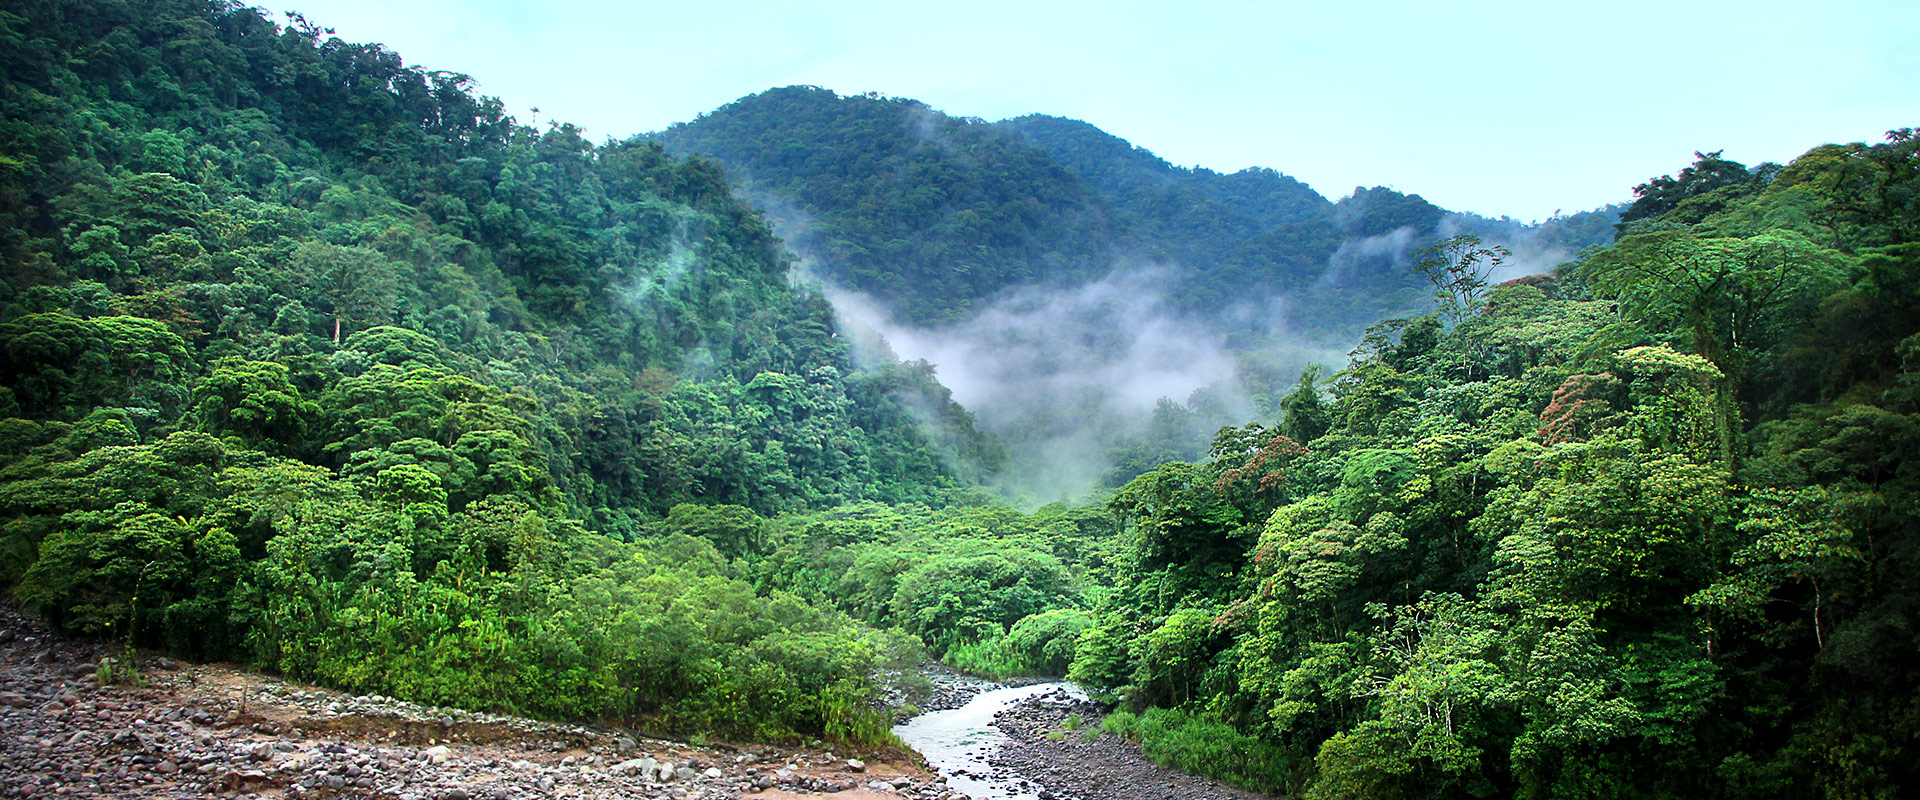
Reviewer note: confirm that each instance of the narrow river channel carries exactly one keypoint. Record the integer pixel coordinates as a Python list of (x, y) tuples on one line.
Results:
[(957, 742)]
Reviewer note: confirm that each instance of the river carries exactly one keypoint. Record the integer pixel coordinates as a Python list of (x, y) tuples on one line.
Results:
[(1043, 742), (957, 742)]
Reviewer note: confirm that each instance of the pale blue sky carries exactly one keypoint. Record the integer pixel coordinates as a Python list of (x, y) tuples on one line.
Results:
[(1516, 108)]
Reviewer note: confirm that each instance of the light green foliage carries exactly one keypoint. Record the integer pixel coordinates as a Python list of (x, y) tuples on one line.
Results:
[(1046, 640), (1102, 661), (1639, 528), (733, 530), (992, 657), (315, 360), (1458, 267), (1193, 743), (1729, 296), (981, 586), (974, 593), (1431, 673), (1173, 658)]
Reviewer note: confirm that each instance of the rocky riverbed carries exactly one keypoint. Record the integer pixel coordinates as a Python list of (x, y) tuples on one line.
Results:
[(158, 728), (952, 689), (1045, 743), (1059, 753), (164, 729)]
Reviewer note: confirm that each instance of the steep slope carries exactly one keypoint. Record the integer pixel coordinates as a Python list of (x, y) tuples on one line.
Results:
[(1062, 279), (1642, 527), (933, 215), (1255, 228), (897, 200), (320, 361)]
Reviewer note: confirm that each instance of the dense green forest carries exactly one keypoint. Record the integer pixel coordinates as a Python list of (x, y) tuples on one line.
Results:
[(319, 362), (936, 214), (314, 359), (1643, 527), (1045, 246)]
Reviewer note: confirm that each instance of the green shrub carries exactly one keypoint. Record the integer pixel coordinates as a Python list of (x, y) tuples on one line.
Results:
[(1102, 662), (1045, 641), (1178, 739), (994, 658)]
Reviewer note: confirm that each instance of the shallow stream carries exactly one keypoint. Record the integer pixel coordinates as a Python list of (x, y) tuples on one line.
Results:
[(957, 742)]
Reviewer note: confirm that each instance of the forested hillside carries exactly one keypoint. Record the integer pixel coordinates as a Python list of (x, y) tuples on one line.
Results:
[(900, 201), (1055, 268), (1256, 231), (314, 359), (1644, 527), (319, 362), (934, 214)]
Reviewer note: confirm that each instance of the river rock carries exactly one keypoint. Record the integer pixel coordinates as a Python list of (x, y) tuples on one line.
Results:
[(856, 765), (645, 767)]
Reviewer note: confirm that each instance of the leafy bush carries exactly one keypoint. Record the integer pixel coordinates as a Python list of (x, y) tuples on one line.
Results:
[(993, 658), (1187, 741), (1045, 641)]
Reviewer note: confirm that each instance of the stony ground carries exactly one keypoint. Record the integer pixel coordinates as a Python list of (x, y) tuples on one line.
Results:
[(1062, 760), (163, 729), (950, 689)]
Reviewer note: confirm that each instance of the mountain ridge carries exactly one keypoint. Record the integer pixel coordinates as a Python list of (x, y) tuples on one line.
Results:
[(1088, 200)]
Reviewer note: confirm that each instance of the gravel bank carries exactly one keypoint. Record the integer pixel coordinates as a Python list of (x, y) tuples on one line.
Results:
[(197, 731), (1073, 767)]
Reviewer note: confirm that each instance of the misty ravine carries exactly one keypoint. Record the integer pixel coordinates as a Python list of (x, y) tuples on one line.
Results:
[(321, 371)]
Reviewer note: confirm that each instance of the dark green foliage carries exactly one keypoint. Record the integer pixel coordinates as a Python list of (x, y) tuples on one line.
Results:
[(949, 223), (930, 212), (1705, 186), (314, 360), (1254, 230), (934, 214)]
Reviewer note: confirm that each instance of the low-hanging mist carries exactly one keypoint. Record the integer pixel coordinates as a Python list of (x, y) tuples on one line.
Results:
[(1086, 385)]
